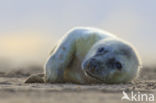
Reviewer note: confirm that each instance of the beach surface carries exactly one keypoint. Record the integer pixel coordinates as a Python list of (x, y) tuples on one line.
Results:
[(14, 90)]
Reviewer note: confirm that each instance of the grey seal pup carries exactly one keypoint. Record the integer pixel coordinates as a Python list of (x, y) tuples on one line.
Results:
[(87, 55)]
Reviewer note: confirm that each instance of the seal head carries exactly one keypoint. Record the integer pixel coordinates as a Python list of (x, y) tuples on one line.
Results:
[(111, 61)]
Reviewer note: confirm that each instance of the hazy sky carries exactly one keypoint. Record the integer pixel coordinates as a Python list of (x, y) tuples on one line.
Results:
[(30, 28)]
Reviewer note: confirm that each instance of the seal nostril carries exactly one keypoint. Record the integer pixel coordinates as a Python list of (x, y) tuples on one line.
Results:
[(118, 65)]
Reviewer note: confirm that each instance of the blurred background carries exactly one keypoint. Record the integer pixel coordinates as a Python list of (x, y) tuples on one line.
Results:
[(30, 28)]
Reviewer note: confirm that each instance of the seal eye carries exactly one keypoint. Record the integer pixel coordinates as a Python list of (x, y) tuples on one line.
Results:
[(100, 50), (118, 65)]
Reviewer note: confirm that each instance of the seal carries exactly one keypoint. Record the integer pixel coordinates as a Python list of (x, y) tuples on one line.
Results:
[(87, 55)]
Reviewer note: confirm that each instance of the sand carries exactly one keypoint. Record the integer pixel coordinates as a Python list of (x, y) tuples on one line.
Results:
[(14, 90)]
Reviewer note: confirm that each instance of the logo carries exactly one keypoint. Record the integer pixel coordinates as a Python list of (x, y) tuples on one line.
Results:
[(137, 96)]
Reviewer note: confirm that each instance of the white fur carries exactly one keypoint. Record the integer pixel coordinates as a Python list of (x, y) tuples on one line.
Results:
[(77, 42)]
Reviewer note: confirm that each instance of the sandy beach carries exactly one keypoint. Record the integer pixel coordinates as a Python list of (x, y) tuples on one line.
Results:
[(14, 90)]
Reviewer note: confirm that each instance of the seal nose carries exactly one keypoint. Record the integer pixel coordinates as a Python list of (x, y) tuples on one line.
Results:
[(115, 64), (92, 65)]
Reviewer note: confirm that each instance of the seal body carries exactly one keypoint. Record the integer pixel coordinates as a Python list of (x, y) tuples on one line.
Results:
[(89, 55)]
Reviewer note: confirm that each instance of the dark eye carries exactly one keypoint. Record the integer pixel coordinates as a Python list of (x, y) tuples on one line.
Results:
[(118, 65), (100, 50)]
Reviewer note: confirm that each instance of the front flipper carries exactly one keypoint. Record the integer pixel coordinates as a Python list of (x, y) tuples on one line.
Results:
[(35, 78), (59, 59)]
